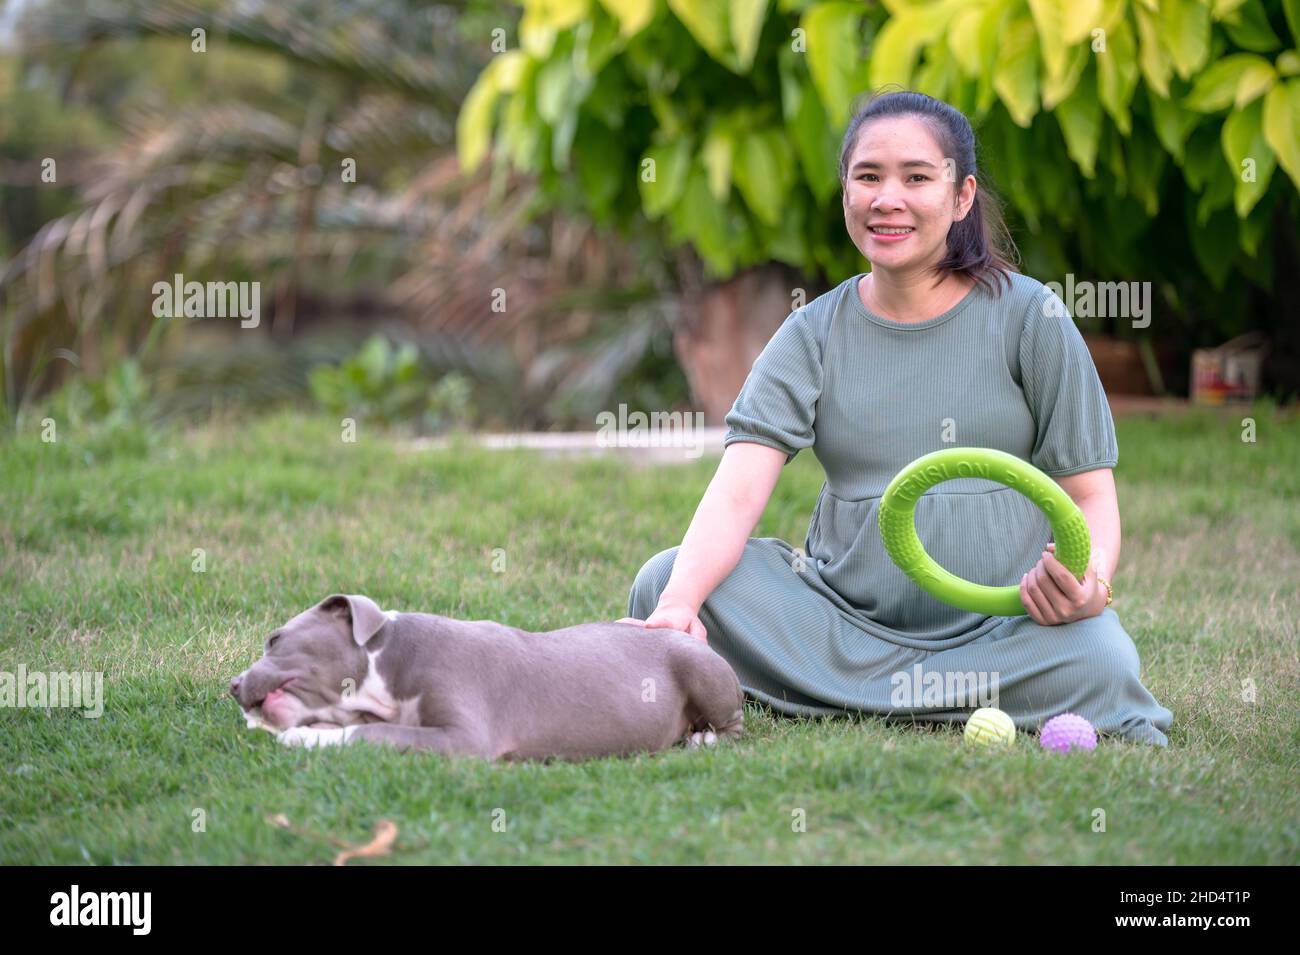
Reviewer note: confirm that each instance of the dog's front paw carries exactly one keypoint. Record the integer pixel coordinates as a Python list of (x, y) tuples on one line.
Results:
[(311, 737)]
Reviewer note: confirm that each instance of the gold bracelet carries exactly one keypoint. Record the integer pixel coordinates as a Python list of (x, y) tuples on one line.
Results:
[(1110, 594)]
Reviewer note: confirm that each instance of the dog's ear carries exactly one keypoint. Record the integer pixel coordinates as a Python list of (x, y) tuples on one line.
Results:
[(361, 612)]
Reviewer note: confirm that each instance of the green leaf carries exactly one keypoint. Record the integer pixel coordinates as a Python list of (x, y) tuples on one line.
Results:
[(522, 129), (1186, 25), (562, 140), (1048, 18), (894, 52), (1282, 126), (667, 114), (1117, 74), (1214, 243), (545, 20), (972, 36), (1292, 10), (373, 359), (1043, 148), (1146, 162), (788, 68), (1153, 58), (817, 146), (1172, 123), (1061, 25), (936, 76), (716, 154), (671, 162), (1288, 63), (474, 122), (1080, 119), (787, 242), (595, 41), (1057, 88), (609, 98), (1113, 13), (599, 171), (1249, 28), (1254, 227), (1007, 144), (1243, 140), (557, 14), (1204, 160), (699, 218), (832, 31), (512, 67), (555, 83), (1015, 77), (1222, 8), (990, 30), (1218, 189), (747, 18), (1216, 88), (1079, 18), (1256, 80), (964, 40), (632, 15), (1112, 150), (706, 21), (764, 173)]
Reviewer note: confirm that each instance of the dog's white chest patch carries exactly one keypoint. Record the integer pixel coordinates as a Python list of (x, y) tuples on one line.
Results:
[(373, 695)]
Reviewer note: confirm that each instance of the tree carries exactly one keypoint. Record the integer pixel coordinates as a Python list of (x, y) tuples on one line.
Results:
[(1133, 138)]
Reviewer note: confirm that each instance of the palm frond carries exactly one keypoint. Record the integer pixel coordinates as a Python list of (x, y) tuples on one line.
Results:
[(372, 42)]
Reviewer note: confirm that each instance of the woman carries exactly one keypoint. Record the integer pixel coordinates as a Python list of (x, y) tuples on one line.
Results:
[(926, 351)]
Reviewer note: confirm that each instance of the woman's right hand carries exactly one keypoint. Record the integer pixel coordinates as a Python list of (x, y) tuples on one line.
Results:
[(673, 617)]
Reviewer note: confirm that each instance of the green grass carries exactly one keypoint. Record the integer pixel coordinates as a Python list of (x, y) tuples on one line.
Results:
[(97, 538)]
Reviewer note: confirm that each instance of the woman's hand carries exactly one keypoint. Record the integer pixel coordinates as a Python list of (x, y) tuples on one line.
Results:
[(1053, 595), (673, 618)]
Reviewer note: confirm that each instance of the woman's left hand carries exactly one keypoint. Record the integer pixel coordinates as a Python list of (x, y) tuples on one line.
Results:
[(1054, 596)]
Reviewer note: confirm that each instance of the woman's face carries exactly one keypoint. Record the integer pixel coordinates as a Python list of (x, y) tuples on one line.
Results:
[(897, 178)]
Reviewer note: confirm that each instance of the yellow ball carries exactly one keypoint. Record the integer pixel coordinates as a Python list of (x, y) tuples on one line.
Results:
[(990, 727)]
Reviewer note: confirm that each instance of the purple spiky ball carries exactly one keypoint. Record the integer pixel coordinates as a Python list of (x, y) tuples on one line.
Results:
[(1067, 732)]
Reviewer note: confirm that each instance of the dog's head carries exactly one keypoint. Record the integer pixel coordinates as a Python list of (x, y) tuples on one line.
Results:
[(313, 668)]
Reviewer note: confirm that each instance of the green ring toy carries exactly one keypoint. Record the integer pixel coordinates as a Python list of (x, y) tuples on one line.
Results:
[(898, 524)]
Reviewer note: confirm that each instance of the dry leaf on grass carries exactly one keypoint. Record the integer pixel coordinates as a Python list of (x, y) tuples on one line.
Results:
[(385, 833), (379, 845)]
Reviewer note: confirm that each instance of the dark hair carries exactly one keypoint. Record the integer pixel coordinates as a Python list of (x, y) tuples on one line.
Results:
[(979, 245)]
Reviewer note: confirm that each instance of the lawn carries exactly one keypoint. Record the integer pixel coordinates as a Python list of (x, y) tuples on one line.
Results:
[(98, 541)]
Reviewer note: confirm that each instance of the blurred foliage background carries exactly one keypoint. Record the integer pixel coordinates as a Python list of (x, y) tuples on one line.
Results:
[(447, 209)]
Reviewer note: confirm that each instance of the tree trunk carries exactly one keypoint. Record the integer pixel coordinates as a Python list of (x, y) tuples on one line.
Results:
[(723, 326)]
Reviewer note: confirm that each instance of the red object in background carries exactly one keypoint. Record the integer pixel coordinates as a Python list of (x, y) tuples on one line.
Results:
[(1229, 372)]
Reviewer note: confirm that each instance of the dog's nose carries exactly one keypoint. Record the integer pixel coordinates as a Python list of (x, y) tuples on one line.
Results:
[(234, 686)]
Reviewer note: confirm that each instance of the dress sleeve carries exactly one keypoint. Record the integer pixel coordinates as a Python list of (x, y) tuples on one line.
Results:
[(777, 405), (1074, 428)]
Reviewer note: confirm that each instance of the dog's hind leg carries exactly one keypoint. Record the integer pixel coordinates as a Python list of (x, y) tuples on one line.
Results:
[(716, 703)]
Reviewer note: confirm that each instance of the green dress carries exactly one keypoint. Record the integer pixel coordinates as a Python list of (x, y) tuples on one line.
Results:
[(835, 626)]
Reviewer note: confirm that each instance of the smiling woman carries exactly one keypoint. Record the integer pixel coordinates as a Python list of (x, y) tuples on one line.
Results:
[(913, 208), (928, 351)]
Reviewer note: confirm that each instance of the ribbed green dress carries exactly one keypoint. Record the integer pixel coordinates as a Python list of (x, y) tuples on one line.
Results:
[(835, 625)]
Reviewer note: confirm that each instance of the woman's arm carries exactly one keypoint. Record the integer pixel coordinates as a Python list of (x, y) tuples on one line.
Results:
[(1094, 492), (1049, 592), (726, 515)]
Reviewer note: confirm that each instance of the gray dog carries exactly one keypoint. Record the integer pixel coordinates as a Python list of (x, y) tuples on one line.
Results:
[(346, 670)]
